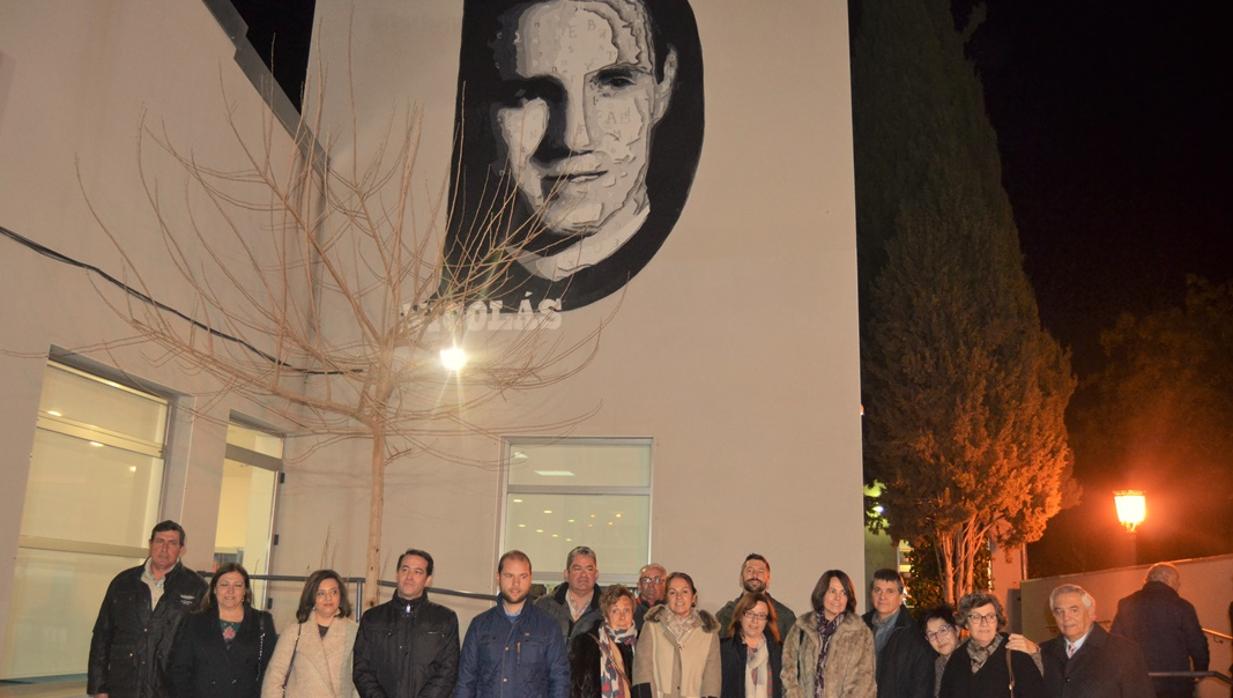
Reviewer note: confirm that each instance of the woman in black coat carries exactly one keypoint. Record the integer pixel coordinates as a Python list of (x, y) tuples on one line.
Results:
[(590, 670), (982, 666), (746, 673), (221, 651)]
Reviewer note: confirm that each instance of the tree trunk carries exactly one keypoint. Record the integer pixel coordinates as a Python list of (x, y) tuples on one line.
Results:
[(945, 543), (372, 572)]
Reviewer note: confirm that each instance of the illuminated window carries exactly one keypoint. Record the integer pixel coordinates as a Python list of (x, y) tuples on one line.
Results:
[(561, 493)]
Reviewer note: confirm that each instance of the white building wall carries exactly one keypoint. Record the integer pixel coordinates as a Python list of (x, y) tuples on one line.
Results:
[(735, 349)]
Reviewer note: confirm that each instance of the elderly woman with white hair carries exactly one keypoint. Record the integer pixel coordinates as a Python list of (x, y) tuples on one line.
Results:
[(985, 665)]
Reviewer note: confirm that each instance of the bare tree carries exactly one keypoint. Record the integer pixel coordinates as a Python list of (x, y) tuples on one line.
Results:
[(332, 311)]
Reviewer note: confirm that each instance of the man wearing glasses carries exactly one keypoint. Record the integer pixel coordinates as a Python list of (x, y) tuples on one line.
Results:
[(652, 580)]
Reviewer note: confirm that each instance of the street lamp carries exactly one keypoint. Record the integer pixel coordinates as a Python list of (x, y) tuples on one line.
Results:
[(1131, 508)]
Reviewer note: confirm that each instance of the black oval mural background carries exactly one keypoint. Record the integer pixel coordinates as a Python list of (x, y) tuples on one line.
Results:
[(675, 144)]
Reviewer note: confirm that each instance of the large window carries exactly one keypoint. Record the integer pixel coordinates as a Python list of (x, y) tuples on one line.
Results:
[(561, 493), (93, 494)]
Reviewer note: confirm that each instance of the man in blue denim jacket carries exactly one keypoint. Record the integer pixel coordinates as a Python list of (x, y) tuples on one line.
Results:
[(514, 650)]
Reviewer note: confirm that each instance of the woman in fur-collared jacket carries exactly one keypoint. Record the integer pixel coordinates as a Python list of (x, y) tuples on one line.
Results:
[(678, 648), (601, 658), (834, 638), (313, 656)]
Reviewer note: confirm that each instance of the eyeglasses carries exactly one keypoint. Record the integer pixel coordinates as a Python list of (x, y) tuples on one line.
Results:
[(650, 580), (944, 630), (978, 619), (750, 615)]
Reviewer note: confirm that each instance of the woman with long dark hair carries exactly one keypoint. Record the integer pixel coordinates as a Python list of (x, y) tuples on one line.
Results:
[(222, 649), (829, 652), (313, 655)]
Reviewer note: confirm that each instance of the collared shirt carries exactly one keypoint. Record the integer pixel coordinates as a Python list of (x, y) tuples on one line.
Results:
[(156, 585), (1073, 647), (575, 612), (882, 629)]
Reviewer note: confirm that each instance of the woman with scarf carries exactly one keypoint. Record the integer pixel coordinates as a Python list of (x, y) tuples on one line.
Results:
[(678, 649), (985, 666), (751, 655), (601, 659), (829, 652)]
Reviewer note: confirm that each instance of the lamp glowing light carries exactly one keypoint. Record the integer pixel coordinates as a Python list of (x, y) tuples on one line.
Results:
[(453, 358), (1131, 508)]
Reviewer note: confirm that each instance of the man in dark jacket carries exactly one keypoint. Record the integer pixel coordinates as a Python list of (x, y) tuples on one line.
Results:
[(652, 583), (408, 646), (514, 650), (1085, 661), (904, 659), (575, 604), (1166, 628), (755, 577), (138, 619)]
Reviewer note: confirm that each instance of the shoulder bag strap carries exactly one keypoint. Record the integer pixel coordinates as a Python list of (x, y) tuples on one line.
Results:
[(287, 677), (1010, 671)]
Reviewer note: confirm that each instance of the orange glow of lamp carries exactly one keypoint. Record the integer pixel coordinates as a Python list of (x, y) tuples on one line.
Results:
[(1131, 508)]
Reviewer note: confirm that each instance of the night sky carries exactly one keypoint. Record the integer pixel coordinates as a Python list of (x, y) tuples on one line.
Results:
[(1115, 125)]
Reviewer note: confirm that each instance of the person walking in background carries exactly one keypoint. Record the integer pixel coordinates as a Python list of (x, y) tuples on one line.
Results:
[(408, 646), (678, 649), (1166, 628), (222, 649), (601, 659), (985, 665), (756, 577), (1085, 661), (905, 664), (752, 653), (313, 656), (514, 650), (829, 652), (138, 620), (943, 636)]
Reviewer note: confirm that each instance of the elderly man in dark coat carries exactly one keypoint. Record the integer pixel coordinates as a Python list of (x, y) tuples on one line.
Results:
[(1166, 627), (1085, 661)]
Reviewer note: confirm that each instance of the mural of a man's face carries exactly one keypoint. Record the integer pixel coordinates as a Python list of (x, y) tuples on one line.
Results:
[(582, 97)]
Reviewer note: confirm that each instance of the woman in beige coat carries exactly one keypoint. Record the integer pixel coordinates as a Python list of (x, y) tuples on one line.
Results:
[(834, 638), (678, 648), (313, 657)]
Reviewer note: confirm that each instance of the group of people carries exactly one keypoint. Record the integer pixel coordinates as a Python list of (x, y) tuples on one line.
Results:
[(163, 631)]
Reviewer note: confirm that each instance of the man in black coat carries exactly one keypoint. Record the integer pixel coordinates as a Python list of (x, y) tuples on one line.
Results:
[(1166, 627), (1085, 661), (905, 660), (408, 646), (138, 619), (574, 605)]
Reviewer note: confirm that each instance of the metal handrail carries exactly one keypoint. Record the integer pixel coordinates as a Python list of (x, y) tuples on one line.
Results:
[(1191, 675), (359, 583), (1218, 635)]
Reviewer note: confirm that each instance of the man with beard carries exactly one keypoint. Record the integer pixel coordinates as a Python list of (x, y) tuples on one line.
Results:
[(514, 649), (756, 577)]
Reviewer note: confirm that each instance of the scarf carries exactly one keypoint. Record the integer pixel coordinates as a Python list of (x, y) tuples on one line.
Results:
[(613, 679), (679, 626), (757, 671), (826, 631), (980, 655)]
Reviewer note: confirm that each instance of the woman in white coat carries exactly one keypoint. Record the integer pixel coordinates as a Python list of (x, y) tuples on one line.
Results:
[(313, 656)]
